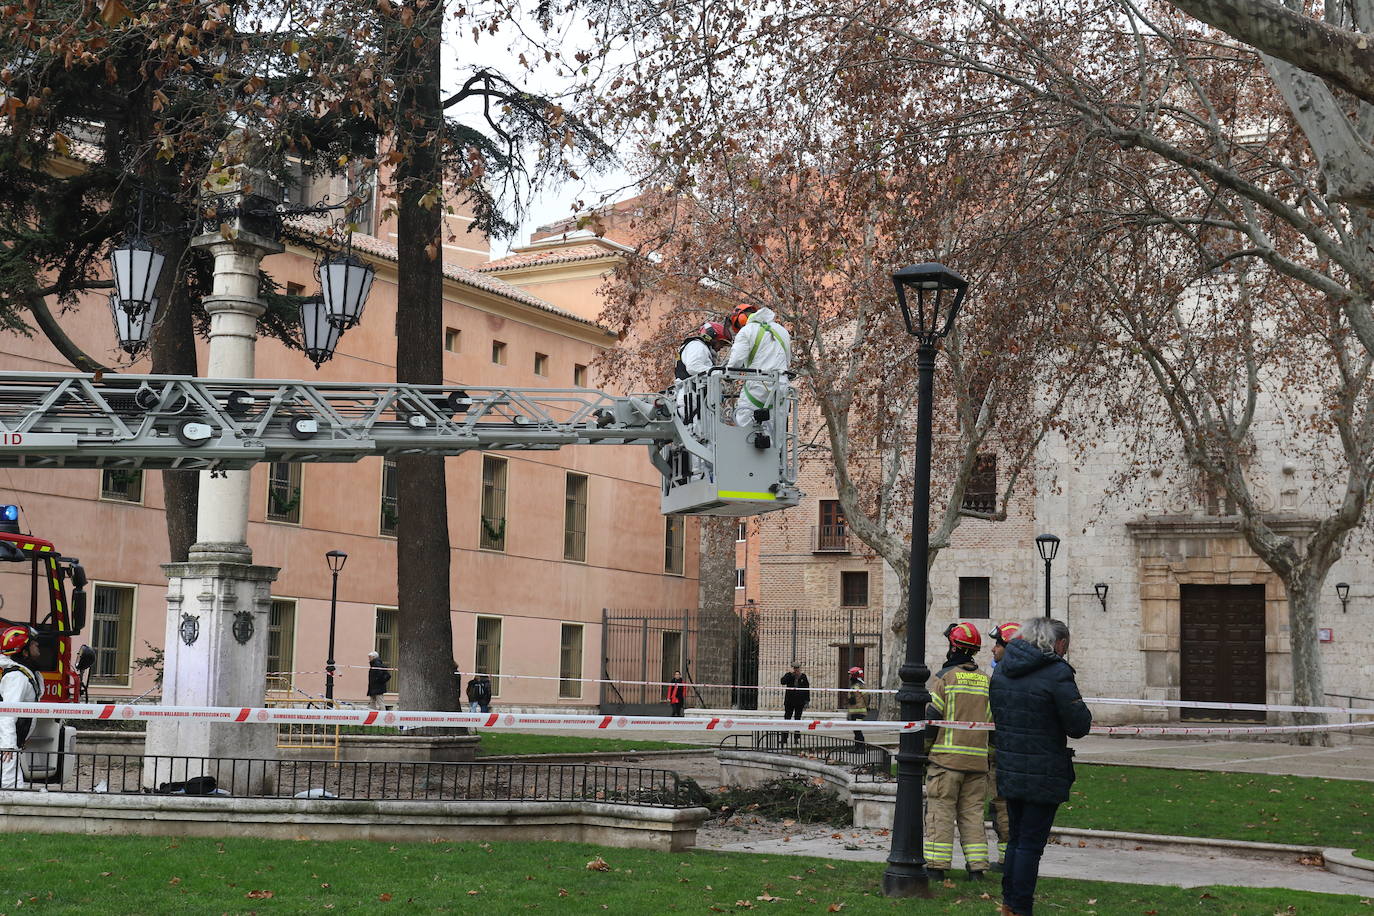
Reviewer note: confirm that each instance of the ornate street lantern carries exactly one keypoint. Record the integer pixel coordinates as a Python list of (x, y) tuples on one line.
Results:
[(319, 334), (137, 266), (133, 329), (939, 293), (345, 282)]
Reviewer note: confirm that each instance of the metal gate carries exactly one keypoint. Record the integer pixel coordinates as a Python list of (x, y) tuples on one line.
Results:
[(640, 650)]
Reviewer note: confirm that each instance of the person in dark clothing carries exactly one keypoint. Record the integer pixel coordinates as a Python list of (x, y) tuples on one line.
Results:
[(796, 697), (377, 679), (479, 694), (1036, 707), (676, 694), (856, 702)]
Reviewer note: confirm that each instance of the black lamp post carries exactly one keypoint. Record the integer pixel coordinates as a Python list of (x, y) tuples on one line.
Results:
[(1343, 593), (336, 560), (1101, 589), (1048, 545), (938, 293)]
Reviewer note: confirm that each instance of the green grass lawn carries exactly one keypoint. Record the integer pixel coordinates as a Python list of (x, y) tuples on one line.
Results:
[(1241, 806), (148, 875), (503, 743)]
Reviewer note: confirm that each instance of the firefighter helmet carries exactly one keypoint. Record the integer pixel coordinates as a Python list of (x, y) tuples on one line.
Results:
[(740, 317), (856, 672), (963, 636), (1004, 633), (715, 334), (13, 639)]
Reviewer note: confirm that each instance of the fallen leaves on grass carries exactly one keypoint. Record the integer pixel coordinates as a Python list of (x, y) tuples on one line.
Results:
[(562, 892), (767, 898), (1316, 861), (385, 898), (598, 864), (834, 908), (259, 895)]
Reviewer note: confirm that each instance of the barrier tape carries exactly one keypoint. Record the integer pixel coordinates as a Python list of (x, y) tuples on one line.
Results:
[(493, 720), (1106, 701)]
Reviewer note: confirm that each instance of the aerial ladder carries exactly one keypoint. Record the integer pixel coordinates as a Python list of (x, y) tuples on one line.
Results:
[(708, 465)]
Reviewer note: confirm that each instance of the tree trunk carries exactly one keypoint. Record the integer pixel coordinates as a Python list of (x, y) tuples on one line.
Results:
[(422, 548), (718, 627), (1304, 589)]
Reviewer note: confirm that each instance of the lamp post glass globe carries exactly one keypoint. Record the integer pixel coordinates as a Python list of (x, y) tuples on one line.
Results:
[(345, 282), (319, 335), (938, 294), (133, 329), (136, 265)]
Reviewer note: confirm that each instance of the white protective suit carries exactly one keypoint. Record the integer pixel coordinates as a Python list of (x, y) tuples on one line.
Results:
[(16, 686), (765, 345), (695, 358)]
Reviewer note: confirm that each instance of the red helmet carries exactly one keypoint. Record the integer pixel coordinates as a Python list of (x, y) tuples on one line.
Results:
[(856, 672), (715, 334), (14, 638), (740, 317), (1004, 633), (964, 635)]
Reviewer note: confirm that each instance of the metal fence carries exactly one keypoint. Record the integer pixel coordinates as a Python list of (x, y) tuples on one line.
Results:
[(745, 651), (373, 780), (869, 762)]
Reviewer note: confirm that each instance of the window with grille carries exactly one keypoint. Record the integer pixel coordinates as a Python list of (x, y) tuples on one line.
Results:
[(112, 630), (575, 518), (488, 659), (580, 375), (493, 534), (281, 644), (284, 492), (570, 660), (854, 589), (673, 546), (981, 493), (387, 645), (833, 532), (122, 484), (975, 598), (390, 513)]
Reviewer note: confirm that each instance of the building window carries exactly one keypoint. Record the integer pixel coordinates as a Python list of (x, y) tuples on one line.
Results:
[(580, 375), (570, 661), (493, 536), (453, 339), (741, 532), (739, 577), (975, 598), (281, 644), (575, 519), (390, 513), (498, 352), (122, 484), (541, 364), (853, 589), (112, 630), (673, 547), (387, 644), (284, 492), (833, 532), (981, 493), (488, 659), (295, 289)]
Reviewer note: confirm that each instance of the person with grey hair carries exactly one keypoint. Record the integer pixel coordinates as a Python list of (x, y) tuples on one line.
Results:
[(377, 678), (1036, 707)]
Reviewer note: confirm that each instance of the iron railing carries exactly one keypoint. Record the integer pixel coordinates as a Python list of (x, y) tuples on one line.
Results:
[(831, 539), (869, 762), (370, 780)]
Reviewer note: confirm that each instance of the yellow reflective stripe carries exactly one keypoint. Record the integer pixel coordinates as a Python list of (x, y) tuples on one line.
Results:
[(960, 749), (744, 494)]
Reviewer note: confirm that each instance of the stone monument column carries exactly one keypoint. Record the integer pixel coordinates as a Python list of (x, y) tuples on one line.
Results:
[(218, 602)]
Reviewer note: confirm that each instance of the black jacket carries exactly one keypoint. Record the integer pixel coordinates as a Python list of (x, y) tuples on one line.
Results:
[(377, 678), (479, 690), (798, 692), (1036, 706)]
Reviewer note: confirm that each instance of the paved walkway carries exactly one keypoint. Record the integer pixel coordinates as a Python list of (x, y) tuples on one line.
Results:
[(1089, 863), (1344, 761)]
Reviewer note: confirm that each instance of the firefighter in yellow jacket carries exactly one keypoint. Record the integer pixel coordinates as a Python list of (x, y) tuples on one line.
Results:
[(956, 784)]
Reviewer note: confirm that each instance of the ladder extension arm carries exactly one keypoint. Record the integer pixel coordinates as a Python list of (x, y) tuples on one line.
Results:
[(129, 421)]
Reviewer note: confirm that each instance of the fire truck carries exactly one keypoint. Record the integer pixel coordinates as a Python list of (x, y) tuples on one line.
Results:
[(41, 602)]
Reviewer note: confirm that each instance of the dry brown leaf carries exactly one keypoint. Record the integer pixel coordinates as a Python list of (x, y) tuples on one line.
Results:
[(767, 898), (598, 864), (259, 895), (385, 898), (834, 908), (562, 892), (174, 881)]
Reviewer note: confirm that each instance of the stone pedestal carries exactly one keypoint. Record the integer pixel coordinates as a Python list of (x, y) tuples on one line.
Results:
[(216, 655)]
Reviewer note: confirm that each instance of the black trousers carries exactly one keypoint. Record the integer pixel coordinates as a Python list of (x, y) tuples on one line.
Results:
[(677, 710), (790, 711)]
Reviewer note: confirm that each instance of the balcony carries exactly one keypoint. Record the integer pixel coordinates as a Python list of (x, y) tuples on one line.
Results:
[(830, 538)]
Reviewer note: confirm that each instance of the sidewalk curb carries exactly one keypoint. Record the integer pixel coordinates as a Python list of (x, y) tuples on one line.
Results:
[(591, 755), (1240, 848), (1345, 862)]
